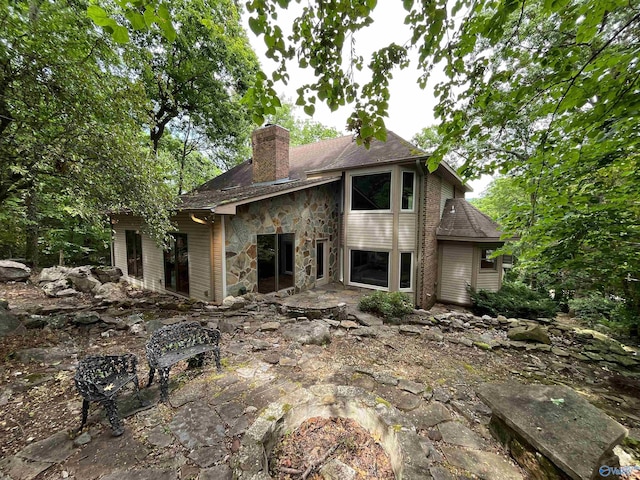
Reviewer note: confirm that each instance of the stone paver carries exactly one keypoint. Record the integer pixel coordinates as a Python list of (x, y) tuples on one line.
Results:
[(455, 433), (197, 425), (486, 465)]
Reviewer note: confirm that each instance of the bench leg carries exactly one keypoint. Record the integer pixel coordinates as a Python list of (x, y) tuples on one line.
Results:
[(137, 385), (164, 384), (85, 413), (151, 372), (216, 355), (117, 428)]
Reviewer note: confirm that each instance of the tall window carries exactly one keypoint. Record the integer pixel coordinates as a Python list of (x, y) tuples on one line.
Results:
[(371, 192), (370, 268), (176, 264), (407, 190), (406, 270), (134, 253), (487, 263)]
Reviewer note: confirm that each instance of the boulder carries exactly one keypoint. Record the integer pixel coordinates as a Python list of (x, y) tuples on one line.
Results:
[(82, 279), (52, 274), (51, 289), (315, 332), (107, 274), (13, 271), (110, 291), (529, 334), (8, 322)]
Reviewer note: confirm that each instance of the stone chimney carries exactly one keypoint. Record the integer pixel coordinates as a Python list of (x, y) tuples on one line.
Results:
[(270, 153)]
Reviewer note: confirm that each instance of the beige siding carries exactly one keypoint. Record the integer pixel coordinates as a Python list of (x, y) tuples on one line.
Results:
[(370, 231), (218, 259), (407, 226), (488, 281), (446, 192), (455, 277), (198, 244), (152, 259)]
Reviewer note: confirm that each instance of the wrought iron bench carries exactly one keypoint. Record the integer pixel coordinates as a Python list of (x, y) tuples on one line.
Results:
[(100, 379), (173, 343)]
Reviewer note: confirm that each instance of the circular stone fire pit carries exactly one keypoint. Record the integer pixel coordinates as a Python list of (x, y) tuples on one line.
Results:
[(397, 435)]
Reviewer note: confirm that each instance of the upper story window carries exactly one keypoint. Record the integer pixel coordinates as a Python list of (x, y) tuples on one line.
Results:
[(371, 192), (487, 263), (134, 253), (407, 191)]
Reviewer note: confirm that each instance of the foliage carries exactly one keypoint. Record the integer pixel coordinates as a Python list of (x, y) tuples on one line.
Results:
[(513, 300), (594, 307), (427, 139), (387, 304), (301, 132), (196, 81)]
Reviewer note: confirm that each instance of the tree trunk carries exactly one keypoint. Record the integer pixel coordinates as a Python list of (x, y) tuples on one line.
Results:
[(32, 230)]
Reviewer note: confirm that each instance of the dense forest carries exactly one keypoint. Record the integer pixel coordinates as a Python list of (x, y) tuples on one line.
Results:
[(125, 105)]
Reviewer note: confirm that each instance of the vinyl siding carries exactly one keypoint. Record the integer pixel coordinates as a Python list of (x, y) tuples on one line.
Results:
[(457, 263), (198, 243), (407, 231), (446, 192), (219, 259), (370, 231)]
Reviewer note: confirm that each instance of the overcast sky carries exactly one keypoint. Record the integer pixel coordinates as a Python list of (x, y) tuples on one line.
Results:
[(410, 108)]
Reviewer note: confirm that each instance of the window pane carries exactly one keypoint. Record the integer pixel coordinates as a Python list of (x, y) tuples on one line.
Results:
[(133, 242), (319, 260), (407, 190), (370, 268), (371, 192), (487, 263), (405, 270)]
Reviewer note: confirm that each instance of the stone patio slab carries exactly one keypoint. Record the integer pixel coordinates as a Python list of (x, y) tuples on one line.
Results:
[(455, 433), (486, 465), (558, 422)]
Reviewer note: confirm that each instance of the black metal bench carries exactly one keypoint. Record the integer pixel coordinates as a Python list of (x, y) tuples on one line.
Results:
[(100, 379), (173, 343)]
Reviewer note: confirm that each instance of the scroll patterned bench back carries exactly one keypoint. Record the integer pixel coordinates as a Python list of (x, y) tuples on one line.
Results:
[(178, 337), (96, 372)]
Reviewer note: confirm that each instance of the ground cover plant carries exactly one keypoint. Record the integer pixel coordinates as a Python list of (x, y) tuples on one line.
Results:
[(514, 300)]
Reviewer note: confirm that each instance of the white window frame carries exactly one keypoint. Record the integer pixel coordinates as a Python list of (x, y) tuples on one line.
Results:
[(413, 202), (410, 289), (391, 193), (482, 269), (368, 285)]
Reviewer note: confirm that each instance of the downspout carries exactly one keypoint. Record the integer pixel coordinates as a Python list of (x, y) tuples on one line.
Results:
[(224, 258)]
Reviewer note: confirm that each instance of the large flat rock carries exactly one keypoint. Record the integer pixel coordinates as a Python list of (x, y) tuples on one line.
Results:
[(557, 422)]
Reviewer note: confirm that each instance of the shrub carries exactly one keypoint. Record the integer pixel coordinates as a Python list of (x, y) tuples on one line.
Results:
[(513, 300), (387, 304), (593, 308)]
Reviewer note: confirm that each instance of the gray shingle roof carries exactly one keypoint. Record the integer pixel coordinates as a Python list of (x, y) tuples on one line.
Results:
[(464, 222), (324, 157)]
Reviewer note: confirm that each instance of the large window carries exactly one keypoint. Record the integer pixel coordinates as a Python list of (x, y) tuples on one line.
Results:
[(487, 263), (370, 268), (407, 191), (406, 270), (176, 264), (371, 192), (134, 253)]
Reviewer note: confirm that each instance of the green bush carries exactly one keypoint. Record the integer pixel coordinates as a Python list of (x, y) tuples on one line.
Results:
[(387, 304), (513, 300), (594, 307)]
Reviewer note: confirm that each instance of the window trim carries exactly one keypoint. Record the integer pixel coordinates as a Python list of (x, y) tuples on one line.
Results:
[(391, 193), (483, 257), (413, 202), (368, 285), (411, 273)]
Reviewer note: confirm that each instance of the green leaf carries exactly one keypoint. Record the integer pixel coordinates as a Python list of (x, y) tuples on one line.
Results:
[(149, 16), (120, 34), (137, 20), (99, 16), (309, 109)]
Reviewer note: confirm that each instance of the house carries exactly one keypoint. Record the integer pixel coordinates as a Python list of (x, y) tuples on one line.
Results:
[(297, 217)]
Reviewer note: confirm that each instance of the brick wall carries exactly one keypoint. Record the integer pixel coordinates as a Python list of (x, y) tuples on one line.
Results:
[(428, 242), (270, 153)]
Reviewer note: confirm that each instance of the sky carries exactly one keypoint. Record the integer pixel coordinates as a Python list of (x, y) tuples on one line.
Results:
[(410, 108)]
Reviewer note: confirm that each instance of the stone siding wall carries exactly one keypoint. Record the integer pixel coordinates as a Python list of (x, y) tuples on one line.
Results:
[(430, 214), (310, 214)]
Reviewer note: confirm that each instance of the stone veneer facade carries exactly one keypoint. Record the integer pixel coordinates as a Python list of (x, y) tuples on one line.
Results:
[(311, 214), (430, 218)]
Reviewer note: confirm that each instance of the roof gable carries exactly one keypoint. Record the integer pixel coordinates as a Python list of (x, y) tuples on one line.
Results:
[(462, 221)]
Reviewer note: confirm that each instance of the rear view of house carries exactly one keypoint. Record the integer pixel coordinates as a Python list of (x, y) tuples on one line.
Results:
[(297, 217)]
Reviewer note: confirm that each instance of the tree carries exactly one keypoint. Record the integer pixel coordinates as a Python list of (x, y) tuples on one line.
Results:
[(427, 139), (301, 132), (199, 78), (70, 123)]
